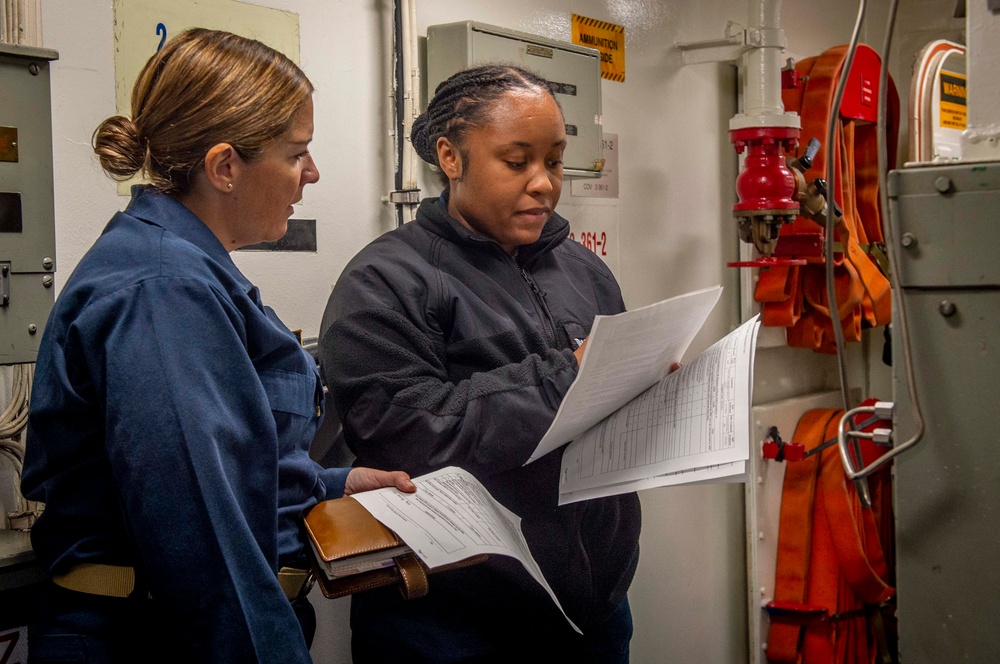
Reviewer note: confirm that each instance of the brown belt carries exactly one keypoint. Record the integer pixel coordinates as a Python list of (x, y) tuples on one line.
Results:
[(97, 579), (119, 581)]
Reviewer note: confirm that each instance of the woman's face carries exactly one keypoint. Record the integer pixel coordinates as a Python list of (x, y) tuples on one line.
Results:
[(271, 183), (511, 178)]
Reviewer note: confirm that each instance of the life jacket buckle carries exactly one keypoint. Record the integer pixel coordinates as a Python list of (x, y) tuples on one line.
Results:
[(778, 450), (795, 613)]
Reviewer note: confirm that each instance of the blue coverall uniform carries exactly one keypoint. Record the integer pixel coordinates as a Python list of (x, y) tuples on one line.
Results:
[(169, 430)]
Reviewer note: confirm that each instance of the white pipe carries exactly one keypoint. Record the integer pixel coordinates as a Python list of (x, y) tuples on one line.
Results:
[(764, 61), (414, 90), (762, 66), (407, 92), (981, 138), (411, 97)]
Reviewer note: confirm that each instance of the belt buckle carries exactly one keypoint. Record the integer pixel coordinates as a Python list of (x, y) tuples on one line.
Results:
[(288, 579), (307, 585)]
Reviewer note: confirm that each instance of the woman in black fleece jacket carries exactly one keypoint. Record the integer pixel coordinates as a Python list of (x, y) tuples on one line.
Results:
[(452, 341)]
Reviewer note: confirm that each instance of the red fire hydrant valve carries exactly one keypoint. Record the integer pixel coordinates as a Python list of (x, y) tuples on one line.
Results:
[(766, 185)]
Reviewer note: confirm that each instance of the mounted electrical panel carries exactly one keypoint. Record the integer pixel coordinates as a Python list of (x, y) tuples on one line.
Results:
[(27, 214), (573, 71), (947, 498)]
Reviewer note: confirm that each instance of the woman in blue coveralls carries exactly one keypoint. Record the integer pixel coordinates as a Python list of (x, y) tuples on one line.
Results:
[(172, 411)]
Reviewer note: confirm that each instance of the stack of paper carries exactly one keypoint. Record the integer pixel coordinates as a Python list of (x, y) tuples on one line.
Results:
[(633, 426), (360, 563), (452, 517)]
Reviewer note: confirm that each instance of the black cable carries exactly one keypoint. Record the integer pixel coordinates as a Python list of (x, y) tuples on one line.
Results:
[(397, 47), (831, 232)]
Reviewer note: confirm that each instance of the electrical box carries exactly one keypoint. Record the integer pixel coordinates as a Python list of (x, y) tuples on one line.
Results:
[(27, 214), (946, 493), (573, 71)]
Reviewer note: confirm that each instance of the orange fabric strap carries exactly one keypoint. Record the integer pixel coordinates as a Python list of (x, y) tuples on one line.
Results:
[(795, 538), (796, 298), (830, 554)]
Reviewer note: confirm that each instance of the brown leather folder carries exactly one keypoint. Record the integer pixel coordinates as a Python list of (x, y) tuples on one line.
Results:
[(355, 552)]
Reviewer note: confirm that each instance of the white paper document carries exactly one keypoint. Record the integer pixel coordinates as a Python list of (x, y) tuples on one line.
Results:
[(692, 426), (452, 517), (722, 473), (625, 354)]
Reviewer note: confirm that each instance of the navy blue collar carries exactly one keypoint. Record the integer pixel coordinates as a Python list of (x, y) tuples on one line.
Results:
[(170, 214)]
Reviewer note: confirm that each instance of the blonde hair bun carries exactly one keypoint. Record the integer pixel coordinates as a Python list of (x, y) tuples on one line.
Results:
[(119, 148)]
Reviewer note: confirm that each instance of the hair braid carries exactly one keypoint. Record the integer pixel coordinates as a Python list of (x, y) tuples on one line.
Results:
[(464, 101)]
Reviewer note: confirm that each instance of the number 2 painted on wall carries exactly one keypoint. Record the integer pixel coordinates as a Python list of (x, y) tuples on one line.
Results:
[(160, 28), (12, 638)]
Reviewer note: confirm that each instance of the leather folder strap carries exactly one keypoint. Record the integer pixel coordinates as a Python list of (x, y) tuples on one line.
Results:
[(414, 577)]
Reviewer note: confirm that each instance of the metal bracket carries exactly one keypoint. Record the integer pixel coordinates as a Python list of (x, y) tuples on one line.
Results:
[(404, 197), (981, 143), (4, 284), (727, 49)]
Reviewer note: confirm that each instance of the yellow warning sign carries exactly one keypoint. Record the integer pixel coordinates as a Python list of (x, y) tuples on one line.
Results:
[(607, 38), (953, 100)]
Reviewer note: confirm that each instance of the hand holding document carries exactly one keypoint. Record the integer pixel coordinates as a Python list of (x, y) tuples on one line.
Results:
[(626, 354), (450, 518), (691, 426), (633, 425)]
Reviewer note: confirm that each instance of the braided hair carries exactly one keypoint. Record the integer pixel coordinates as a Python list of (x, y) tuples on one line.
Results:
[(463, 102)]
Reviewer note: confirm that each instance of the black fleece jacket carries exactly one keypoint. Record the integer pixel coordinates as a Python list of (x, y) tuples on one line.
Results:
[(439, 349)]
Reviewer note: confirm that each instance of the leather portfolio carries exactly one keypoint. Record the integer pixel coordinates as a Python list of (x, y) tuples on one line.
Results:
[(355, 552)]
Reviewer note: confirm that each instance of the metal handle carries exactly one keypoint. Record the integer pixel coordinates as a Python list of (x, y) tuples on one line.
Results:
[(811, 149), (853, 472)]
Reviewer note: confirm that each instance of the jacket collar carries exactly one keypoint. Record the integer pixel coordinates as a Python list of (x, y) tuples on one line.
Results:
[(433, 215), (168, 213)]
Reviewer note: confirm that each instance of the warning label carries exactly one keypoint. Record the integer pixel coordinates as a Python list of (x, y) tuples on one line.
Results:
[(954, 105), (607, 38)]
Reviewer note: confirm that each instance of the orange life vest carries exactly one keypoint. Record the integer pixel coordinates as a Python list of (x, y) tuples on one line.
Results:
[(796, 297), (834, 566)]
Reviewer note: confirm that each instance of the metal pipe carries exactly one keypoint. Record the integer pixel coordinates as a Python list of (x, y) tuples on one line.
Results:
[(397, 95), (897, 295), (411, 104), (831, 177), (762, 91)]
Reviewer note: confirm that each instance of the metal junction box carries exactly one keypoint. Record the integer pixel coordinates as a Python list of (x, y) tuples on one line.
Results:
[(574, 72), (946, 232), (27, 228)]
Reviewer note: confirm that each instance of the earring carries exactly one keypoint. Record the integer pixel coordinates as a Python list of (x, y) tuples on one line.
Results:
[(229, 186)]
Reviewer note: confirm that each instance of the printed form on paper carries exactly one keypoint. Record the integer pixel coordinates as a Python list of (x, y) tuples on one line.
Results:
[(625, 354), (452, 517), (691, 427)]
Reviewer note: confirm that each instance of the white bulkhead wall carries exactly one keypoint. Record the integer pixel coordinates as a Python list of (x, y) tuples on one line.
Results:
[(673, 217)]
